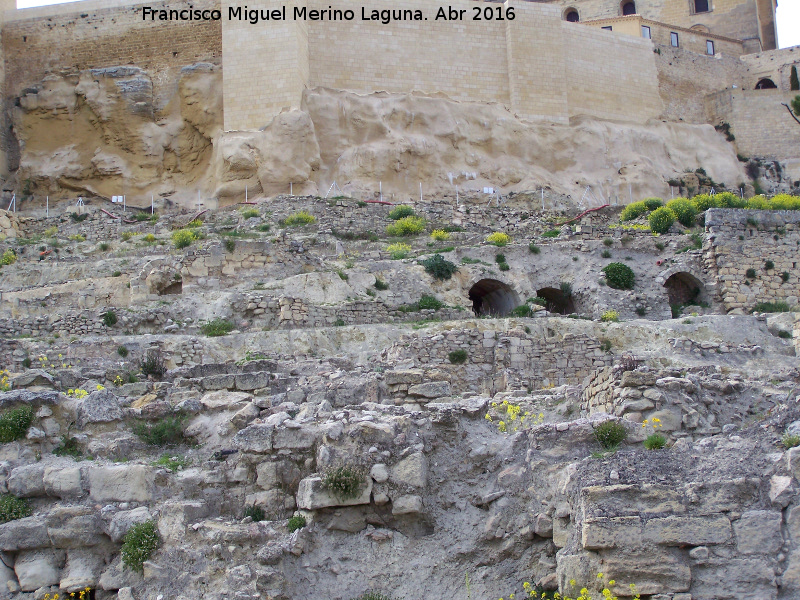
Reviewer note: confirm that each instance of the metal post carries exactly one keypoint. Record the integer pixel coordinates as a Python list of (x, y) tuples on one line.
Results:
[(245, 193), (48, 207), (741, 193), (420, 191), (380, 189), (123, 203), (542, 199), (152, 205), (671, 193), (291, 188)]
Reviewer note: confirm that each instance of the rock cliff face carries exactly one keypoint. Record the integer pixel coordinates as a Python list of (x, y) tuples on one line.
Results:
[(98, 130)]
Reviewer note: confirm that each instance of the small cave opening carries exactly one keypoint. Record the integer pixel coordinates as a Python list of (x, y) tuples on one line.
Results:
[(173, 289), (685, 288), (557, 301), (492, 297)]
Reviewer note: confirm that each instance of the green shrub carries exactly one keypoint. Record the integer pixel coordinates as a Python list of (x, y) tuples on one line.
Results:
[(400, 212), (619, 276), (772, 307), (9, 257), (427, 302), (230, 245), (256, 513), (78, 218), (610, 434), (109, 318), (406, 226), (167, 431), (653, 203), (173, 463), (552, 233), (655, 441), (263, 227), (684, 211), (372, 596), (499, 258), (216, 327), (14, 423), (633, 211), (299, 219), (70, 446), (790, 441), (398, 251), (339, 323), (608, 242), (182, 238), (538, 300), (438, 267), (769, 265), (380, 284), (139, 544), (523, 310), (342, 275), (605, 254), (750, 273), (458, 357), (344, 482), (785, 276), (566, 288), (440, 235), (784, 334), (250, 213), (296, 522), (116, 274), (142, 216), (13, 508), (153, 365), (504, 266), (534, 249), (661, 220)]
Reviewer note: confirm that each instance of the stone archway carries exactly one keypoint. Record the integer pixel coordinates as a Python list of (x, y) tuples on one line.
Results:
[(557, 301), (766, 84), (493, 297), (571, 15), (684, 288)]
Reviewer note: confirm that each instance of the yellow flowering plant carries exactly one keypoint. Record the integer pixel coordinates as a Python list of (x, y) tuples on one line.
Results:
[(5, 384), (582, 594), (510, 416)]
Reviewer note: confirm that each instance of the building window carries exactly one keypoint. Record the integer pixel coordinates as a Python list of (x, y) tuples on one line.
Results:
[(646, 32), (629, 8), (572, 15), (608, 28), (701, 6), (709, 47), (673, 39)]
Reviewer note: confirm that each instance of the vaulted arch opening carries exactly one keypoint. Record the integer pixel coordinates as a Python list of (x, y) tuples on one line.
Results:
[(493, 297), (766, 84), (571, 15), (628, 8), (685, 289), (175, 288), (557, 301)]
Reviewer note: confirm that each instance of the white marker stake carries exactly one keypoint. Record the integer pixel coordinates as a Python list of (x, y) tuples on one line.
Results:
[(48, 207)]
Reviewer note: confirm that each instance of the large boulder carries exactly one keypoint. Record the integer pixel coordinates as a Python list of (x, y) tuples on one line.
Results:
[(98, 407), (27, 481), (24, 534), (62, 482), (121, 483), (411, 471), (254, 438), (38, 568), (311, 495)]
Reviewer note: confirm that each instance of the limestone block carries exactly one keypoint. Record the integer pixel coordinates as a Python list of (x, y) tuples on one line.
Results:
[(272, 501), (299, 438), (431, 389), (411, 471), (611, 532), (27, 481), (671, 419), (759, 532), (790, 579), (379, 473), (62, 482), (82, 569), (406, 376), (743, 579), (125, 519), (245, 415), (637, 378), (254, 438), (653, 571), (311, 495), (121, 483), (24, 534), (38, 568), (407, 505), (252, 381), (98, 407), (175, 516), (543, 526), (793, 462), (267, 475), (780, 490), (351, 520), (225, 400), (115, 576), (74, 526), (691, 531), (561, 529)]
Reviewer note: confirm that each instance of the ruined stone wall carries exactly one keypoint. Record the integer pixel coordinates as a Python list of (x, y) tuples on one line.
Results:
[(97, 34), (773, 64), (739, 240)]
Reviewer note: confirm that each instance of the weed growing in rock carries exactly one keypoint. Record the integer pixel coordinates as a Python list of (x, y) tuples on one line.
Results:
[(785, 276), (339, 323), (533, 248), (5, 384), (769, 265), (610, 434), (398, 251), (400, 212), (230, 245), (790, 440), (9, 257), (498, 238), (14, 423), (427, 302), (458, 357), (380, 284), (552, 233), (173, 463), (655, 441), (605, 345), (13, 508), (619, 276), (440, 235), (141, 541), (256, 513), (296, 522), (373, 596), (109, 318), (344, 482), (298, 219), (522, 311), (182, 238), (164, 432), (406, 226), (772, 307), (512, 416), (216, 328), (250, 213), (153, 365), (69, 447), (438, 267), (122, 351)]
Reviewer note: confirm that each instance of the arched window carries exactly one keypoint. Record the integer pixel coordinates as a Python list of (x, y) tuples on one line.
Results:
[(629, 8), (766, 84), (701, 6), (572, 15)]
